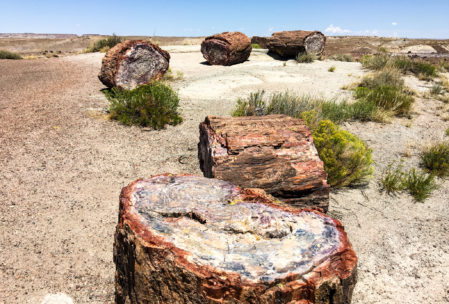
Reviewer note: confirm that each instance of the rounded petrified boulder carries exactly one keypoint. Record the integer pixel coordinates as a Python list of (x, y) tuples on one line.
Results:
[(132, 63), (187, 239), (289, 44), (227, 48)]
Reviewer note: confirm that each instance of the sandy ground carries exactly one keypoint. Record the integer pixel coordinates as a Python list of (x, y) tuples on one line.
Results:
[(62, 166)]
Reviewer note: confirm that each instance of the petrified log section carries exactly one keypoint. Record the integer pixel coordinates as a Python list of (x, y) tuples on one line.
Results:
[(289, 44), (275, 153), (226, 48), (187, 239), (133, 63), (261, 41)]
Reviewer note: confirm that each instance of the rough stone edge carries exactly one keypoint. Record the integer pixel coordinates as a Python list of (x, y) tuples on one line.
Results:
[(217, 284), (111, 61), (320, 196)]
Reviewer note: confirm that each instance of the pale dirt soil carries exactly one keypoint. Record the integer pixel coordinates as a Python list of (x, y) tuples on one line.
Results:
[(62, 166)]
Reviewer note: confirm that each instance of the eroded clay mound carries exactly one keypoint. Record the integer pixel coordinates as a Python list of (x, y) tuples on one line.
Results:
[(205, 241), (133, 63)]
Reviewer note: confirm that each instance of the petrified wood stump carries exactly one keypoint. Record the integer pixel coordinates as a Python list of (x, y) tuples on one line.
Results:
[(187, 239), (289, 44), (227, 48), (133, 63), (275, 153)]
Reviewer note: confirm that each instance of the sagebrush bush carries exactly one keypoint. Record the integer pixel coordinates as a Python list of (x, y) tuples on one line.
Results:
[(347, 159), (419, 68), (255, 46), (419, 184), (9, 55), (375, 62), (436, 159), (392, 179), (332, 69), (290, 104), (306, 58), (385, 89), (154, 105), (104, 45), (436, 89)]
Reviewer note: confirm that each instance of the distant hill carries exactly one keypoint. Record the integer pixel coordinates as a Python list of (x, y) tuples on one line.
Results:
[(37, 36)]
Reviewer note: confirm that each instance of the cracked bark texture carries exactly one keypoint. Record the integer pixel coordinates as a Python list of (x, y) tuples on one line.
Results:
[(227, 48), (289, 44), (274, 153), (187, 239), (132, 63)]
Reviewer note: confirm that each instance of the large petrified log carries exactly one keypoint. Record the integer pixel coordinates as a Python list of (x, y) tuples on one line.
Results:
[(133, 63), (187, 239), (227, 48), (290, 43), (275, 153), (261, 41)]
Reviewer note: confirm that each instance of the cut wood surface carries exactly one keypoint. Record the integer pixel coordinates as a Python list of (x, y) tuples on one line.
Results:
[(274, 152), (227, 48), (290, 43), (133, 63), (187, 239)]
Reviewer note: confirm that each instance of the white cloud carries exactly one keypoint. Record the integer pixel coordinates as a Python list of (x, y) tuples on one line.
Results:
[(394, 23), (336, 30)]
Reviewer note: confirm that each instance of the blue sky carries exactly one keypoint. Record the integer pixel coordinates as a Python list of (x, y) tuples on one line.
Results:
[(413, 19)]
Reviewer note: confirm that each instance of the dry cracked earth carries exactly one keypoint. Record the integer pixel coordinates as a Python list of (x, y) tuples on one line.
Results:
[(63, 164)]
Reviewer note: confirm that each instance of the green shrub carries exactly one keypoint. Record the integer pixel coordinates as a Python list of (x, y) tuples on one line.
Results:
[(290, 104), (347, 159), (332, 69), (447, 132), (443, 66), (388, 98), (9, 55), (385, 89), (305, 58), (385, 77), (436, 89), (342, 57), (421, 69), (255, 46), (105, 44), (154, 105), (392, 179), (254, 105), (436, 159), (419, 184), (375, 62)]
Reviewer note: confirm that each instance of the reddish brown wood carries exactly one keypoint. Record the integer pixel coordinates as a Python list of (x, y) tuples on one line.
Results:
[(261, 41), (290, 43), (227, 48), (133, 63), (274, 153), (186, 239)]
